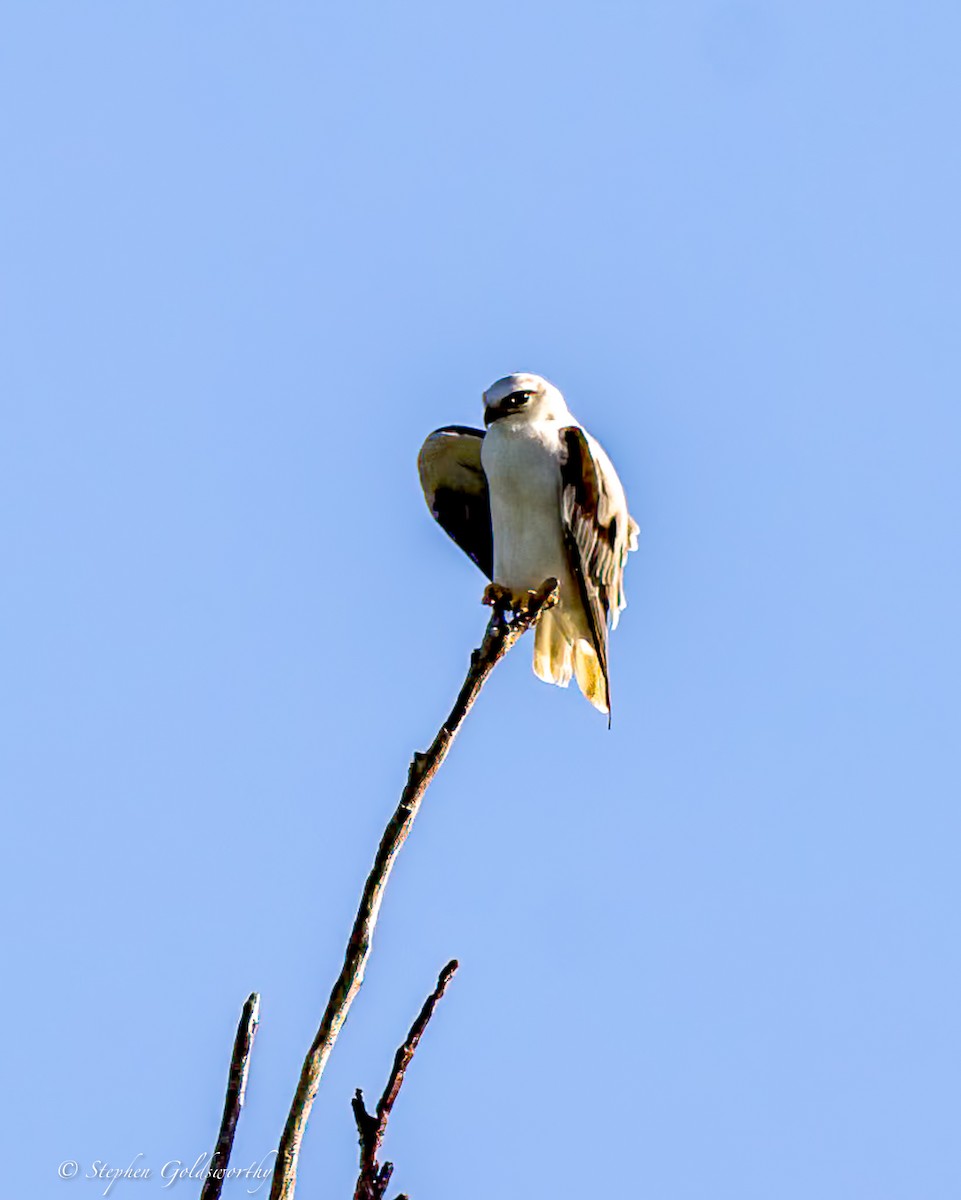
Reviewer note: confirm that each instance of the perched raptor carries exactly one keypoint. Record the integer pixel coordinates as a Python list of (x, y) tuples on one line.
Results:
[(537, 497)]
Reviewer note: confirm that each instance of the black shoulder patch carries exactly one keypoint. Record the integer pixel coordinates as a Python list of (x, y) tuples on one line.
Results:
[(466, 518)]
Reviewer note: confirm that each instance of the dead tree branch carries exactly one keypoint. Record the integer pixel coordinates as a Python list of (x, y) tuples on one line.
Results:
[(501, 634), (234, 1102), (373, 1179)]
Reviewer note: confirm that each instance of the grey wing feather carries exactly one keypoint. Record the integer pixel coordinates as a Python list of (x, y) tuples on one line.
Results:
[(598, 531), (455, 488)]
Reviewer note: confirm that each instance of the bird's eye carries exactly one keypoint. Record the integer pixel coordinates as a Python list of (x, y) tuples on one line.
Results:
[(516, 399)]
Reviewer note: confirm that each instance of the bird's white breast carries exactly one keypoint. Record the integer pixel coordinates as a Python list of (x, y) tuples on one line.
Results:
[(522, 462)]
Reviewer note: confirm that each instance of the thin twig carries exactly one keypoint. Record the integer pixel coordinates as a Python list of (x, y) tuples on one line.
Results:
[(500, 636), (373, 1178), (234, 1102)]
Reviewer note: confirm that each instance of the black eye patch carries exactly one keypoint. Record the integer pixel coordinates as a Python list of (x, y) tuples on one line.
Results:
[(505, 406)]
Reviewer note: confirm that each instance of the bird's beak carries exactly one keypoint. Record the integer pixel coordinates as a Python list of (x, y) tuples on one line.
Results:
[(490, 414)]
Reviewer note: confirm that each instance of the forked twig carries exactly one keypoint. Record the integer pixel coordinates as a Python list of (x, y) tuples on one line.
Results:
[(501, 634), (373, 1179)]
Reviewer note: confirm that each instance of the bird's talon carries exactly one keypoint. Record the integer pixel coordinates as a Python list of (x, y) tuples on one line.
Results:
[(497, 597)]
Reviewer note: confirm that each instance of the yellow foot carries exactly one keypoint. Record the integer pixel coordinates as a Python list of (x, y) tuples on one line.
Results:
[(497, 596), (504, 599), (521, 602)]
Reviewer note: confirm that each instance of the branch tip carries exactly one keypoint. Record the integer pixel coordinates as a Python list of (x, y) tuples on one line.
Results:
[(234, 1100)]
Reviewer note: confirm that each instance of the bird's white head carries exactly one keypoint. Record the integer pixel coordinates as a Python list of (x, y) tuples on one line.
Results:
[(524, 397)]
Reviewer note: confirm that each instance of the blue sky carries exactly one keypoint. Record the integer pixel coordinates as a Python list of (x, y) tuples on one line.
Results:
[(252, 254)]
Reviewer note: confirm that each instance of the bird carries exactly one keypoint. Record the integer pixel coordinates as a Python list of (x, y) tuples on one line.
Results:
[(533, 496)]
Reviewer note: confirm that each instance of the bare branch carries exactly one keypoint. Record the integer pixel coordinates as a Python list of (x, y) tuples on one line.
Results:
[(500, 636), (406, 1052), (234, 1102), (373, 1179)]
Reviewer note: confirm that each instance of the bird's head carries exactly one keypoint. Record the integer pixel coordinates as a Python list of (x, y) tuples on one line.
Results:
[(527, 397)]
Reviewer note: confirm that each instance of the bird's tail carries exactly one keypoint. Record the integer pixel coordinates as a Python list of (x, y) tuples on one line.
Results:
[(590, 675), (559, 654), (552, 650)]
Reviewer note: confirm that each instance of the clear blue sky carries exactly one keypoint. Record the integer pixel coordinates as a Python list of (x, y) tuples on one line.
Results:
[(252, 254)]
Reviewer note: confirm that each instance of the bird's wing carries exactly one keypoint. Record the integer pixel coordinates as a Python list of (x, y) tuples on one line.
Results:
[(455, 488), (598, 533)]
